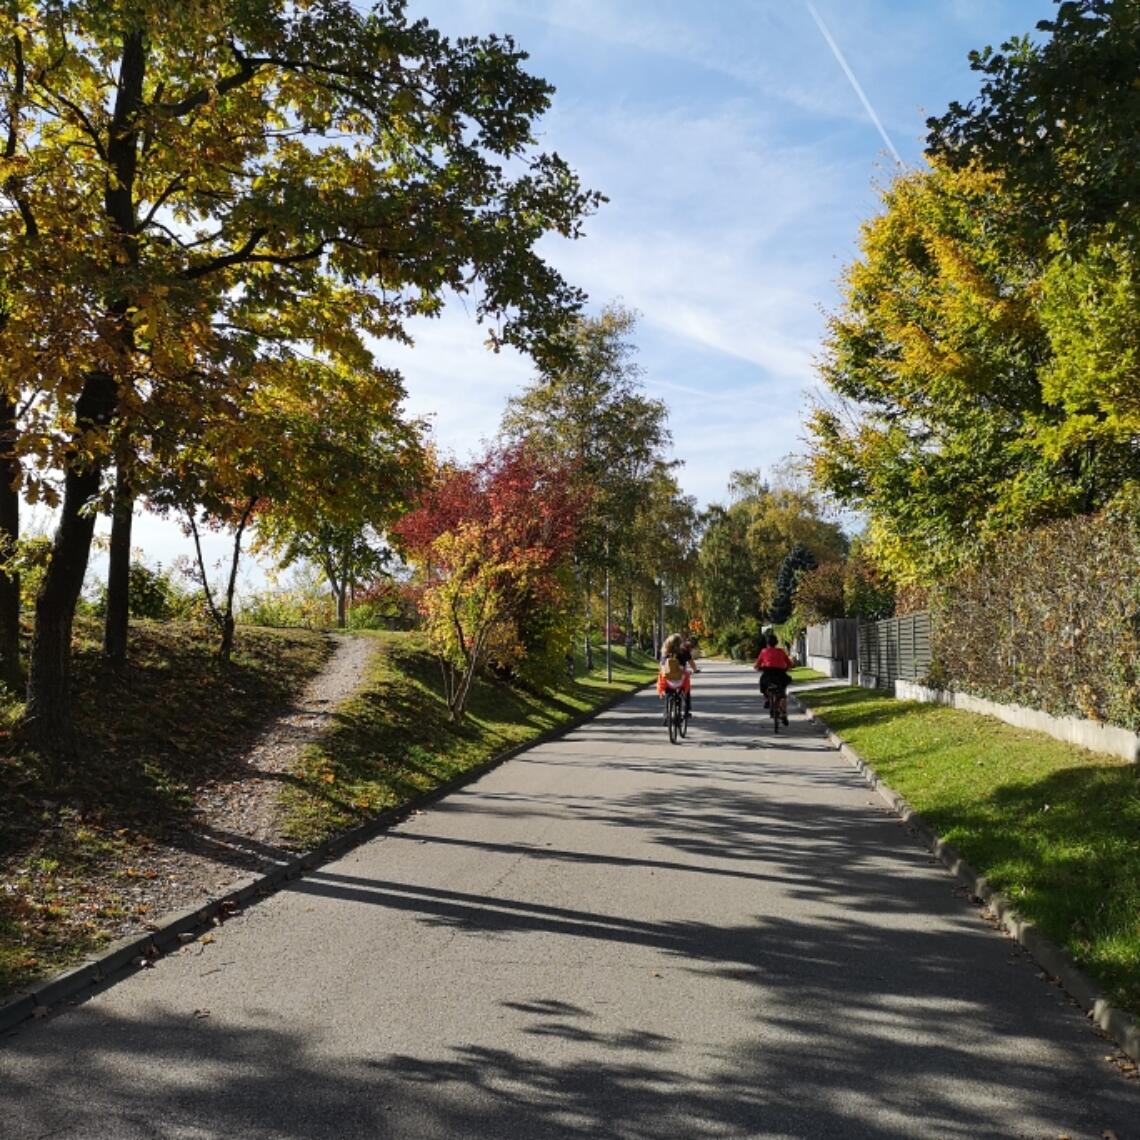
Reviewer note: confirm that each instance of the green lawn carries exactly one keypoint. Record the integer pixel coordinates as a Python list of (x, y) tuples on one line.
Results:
[(1055, 828)]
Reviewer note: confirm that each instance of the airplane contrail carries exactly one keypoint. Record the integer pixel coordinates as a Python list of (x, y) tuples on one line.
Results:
[(854, 82)]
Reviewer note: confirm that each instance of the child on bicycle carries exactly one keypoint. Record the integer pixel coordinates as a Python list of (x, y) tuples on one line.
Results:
[(774, 664), (674, 673)]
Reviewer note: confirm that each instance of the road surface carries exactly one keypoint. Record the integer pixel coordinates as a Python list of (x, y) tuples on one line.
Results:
[(608, 936)]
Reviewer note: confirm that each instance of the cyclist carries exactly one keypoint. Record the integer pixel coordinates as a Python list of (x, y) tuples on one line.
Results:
[(689, 662), (774, 664), (673, 673)]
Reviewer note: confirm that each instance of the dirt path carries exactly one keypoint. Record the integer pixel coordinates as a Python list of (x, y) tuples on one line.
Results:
[(237, 825)]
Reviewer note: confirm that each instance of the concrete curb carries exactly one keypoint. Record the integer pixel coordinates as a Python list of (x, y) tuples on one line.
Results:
[(174, 930), (1046, 953)]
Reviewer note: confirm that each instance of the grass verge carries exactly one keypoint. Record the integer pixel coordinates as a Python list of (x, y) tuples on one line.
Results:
[(71, 848), (803, 673), (394, 740), (1055, 828)]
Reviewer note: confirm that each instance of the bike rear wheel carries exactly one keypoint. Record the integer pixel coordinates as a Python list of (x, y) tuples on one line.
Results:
[(673, 718)]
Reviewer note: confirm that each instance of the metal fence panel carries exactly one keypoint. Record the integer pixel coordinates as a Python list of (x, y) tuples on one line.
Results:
[(895, 649)]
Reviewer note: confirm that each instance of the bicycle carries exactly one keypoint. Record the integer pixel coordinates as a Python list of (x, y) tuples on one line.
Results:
[(777, 706), (675, 719)]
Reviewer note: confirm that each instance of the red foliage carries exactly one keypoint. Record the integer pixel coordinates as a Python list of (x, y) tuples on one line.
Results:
[(519, 504)]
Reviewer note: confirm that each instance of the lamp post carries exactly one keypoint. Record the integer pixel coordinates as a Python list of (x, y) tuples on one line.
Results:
[(609, 646)]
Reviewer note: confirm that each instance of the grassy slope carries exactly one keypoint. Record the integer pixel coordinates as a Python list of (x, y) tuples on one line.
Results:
[(152, 734), (1054, 827)]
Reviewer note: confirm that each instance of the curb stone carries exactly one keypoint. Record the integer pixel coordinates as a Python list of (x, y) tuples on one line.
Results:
[(1055, 963), (137, 951)]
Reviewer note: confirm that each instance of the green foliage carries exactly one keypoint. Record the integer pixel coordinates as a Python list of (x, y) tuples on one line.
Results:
[(1059, 118), (1050, 618), (155, 593), (289, 608)]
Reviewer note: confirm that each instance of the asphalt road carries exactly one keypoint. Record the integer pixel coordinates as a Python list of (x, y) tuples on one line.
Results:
[(608, 936)]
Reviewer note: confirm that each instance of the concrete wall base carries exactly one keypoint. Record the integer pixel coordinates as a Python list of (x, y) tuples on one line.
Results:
[(1085, 733)]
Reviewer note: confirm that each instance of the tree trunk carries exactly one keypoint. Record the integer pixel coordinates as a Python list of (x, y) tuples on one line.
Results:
[(48, 715), (11, 671), (341, 606), (117, 619), (226, 645)]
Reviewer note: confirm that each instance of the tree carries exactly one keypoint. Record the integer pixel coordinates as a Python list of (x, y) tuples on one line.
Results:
[(354, 465), (744, 545), (984, 357), (588, 409), (490, 541), (933, 361), (203, 178), (1059, 120), (798, 562), (819, 594)]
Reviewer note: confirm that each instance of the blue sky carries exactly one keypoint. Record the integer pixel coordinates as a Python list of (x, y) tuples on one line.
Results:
[(739, 163)]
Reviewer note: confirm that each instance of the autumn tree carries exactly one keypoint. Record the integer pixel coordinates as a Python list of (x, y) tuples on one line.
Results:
[(187, 179), (983, 362), (589, 410), (744, 544), (353, 465), (312, 458), (933, 363), (490, 542)]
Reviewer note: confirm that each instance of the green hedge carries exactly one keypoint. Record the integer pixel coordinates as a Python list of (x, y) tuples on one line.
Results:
[(1050, 618)]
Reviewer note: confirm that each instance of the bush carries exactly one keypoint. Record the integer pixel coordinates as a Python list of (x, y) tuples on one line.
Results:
[(288, 609), (1050, 618), (154, 594)]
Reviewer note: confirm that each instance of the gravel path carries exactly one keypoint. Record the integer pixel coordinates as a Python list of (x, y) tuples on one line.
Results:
[(237, 825)]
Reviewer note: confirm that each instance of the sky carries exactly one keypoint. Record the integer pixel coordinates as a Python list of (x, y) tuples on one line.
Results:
[(741, 143)]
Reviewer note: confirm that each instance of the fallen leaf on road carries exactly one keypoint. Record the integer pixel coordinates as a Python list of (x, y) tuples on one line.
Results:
[(201, 1013)]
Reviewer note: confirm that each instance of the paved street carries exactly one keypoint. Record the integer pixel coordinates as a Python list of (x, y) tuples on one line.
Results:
[(608, 936)]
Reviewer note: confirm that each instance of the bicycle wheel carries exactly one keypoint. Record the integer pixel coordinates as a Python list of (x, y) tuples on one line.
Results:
[(673, 719), (774, 709), (683, 724)]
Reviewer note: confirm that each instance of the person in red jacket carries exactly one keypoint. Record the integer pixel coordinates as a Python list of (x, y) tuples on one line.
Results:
[(774, 664)]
